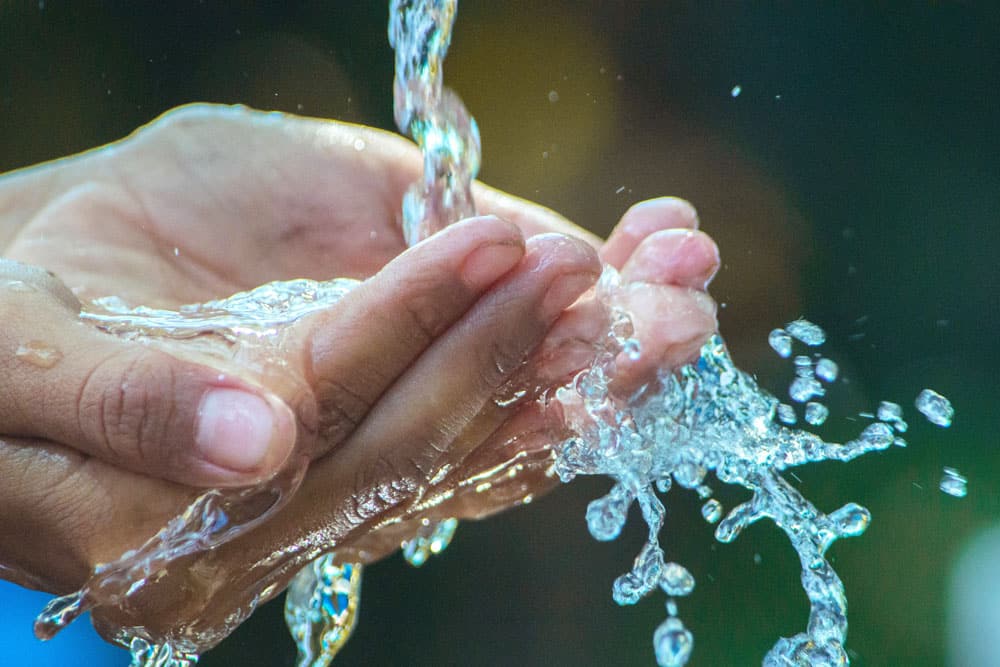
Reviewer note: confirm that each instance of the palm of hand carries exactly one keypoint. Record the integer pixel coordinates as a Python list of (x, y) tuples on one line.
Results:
[(169, 217)]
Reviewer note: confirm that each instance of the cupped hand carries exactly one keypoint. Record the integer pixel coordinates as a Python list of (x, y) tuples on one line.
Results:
[(210, 201)]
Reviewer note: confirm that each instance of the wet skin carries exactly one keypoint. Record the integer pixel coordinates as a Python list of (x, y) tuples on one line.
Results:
[(388, 397)]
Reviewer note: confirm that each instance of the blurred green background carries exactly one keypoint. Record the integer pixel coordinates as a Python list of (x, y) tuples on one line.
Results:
[(854, 180)]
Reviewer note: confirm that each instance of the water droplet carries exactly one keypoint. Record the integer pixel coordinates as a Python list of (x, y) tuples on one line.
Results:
[(712, 510), (607, 515), (177, 251), (803, 366), (935, 407), (676, 580), (16, 286), (359, 144), (627, 589), (553, 96), (816, 413), (38, 353), (671, 607), (802, 389), (954, 483), (826, 370), (672, 643), (780, 342), (735, 92), (807, 332), (786, 414), (889, 412), (632, 349), (851, 520), (432, 538)]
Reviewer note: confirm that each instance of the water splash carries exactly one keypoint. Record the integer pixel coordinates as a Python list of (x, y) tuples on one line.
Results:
[(712, 417), (247, 321), (707, 417), (145, 654)]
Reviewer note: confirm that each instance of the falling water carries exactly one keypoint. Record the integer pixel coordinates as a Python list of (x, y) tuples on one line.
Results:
[(434, 116)]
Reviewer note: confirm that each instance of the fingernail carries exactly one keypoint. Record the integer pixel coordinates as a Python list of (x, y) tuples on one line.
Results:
[(236, 430), (564, 291), (486, 264), (655, 258), (648, 216)]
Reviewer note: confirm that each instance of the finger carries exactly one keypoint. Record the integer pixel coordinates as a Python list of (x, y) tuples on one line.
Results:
[(131, 405), (380, 472), (491, 342), (671, 324), (360, 347), (62, 513), (679, 257), (644, 219)]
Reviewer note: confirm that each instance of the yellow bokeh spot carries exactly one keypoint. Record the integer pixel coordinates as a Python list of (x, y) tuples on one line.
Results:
[(541, 84)]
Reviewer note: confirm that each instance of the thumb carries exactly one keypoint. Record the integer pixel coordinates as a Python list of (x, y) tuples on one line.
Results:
[(126, 403)]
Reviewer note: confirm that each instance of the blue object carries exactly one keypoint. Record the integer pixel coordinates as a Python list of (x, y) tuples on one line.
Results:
[(78, 644)]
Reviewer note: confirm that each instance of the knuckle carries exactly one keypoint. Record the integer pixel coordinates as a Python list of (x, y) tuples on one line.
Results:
[(121, 407), (382, 487), (341, 410), (425, 315)]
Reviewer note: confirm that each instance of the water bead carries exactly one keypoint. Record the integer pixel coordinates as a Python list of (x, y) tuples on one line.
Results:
[(803, 366), (889, 412), (802, 389), (826, 370), (672, 643), (953, 483), (632, 349), (432, 538), (711, 511), (816, 413), (935, 407), (786, 414), (627, 590), (780, 342), (807, 332), (606, 516), (676, 580)]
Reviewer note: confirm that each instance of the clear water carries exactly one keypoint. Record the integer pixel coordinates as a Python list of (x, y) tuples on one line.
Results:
[(708, 418), (434, 116), (711, 417), (321, 609), (323, 600), (954, 483)]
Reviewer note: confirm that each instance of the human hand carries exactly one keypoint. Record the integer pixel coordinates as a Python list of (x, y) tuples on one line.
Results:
[(122, 219)]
